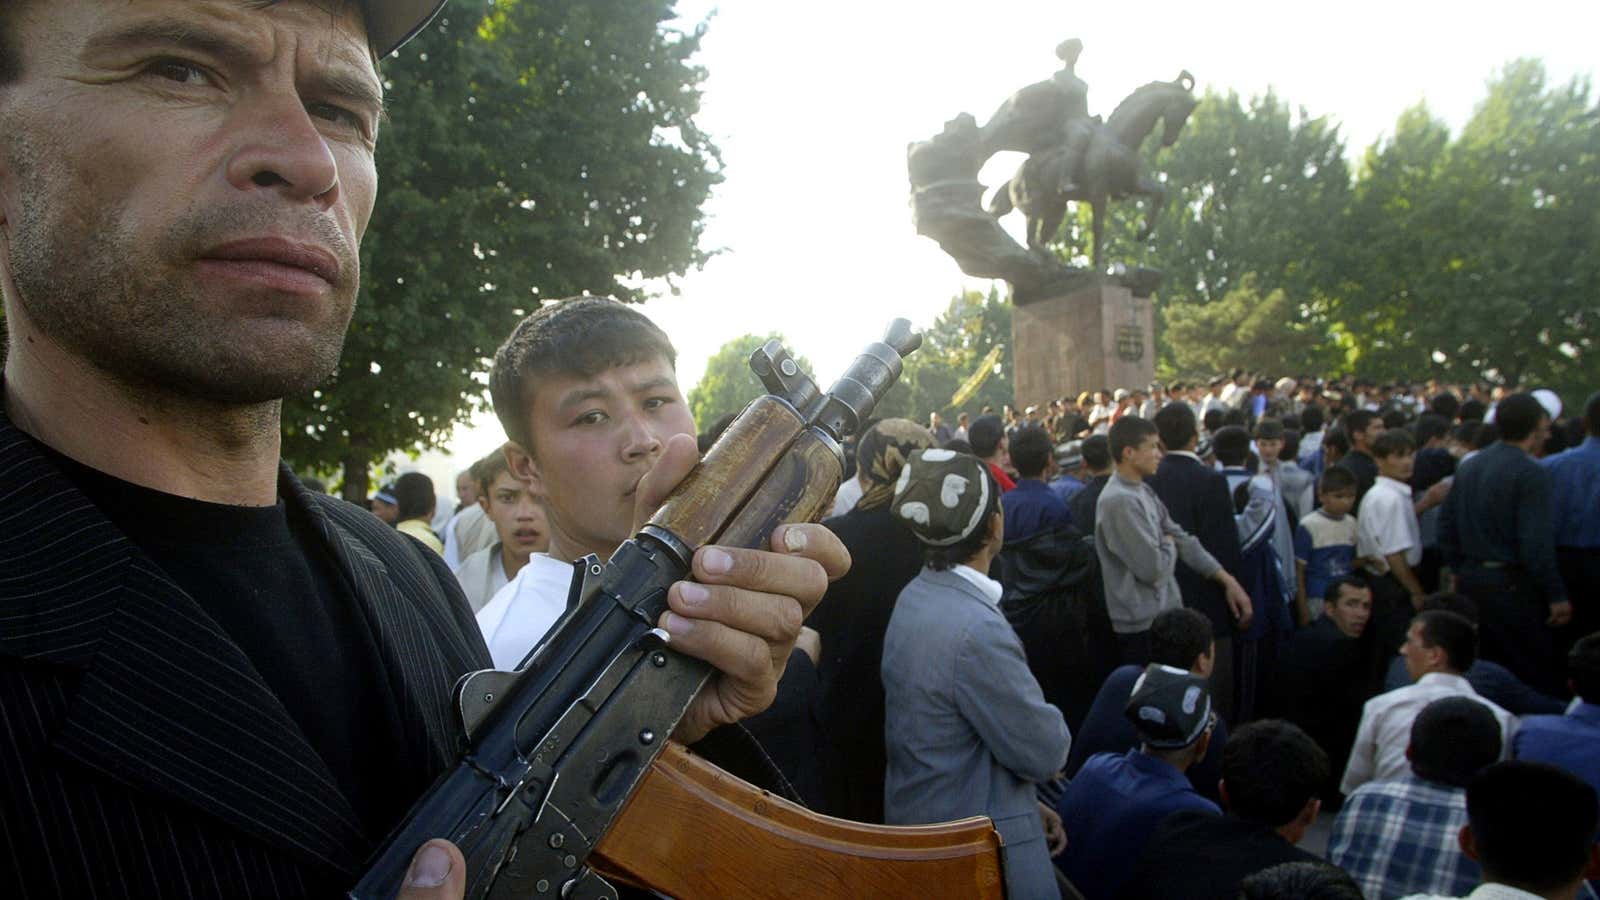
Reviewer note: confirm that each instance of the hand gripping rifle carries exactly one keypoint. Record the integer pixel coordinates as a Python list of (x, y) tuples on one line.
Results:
[(556, 748)]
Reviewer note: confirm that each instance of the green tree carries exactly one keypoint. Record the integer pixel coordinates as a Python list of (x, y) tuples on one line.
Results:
[(1244, 327), (536, 151), (728, 385), (952, 347)]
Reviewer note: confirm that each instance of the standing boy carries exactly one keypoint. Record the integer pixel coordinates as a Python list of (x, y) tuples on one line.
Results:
[(1390, 540), (519, 524), (1325, 542)]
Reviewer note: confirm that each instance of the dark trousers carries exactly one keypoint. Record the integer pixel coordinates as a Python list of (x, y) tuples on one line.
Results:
[(1511, 626), (1392, 613), (1580, 571)]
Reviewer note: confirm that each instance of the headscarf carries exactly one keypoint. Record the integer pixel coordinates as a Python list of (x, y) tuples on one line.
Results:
[(881, 454)]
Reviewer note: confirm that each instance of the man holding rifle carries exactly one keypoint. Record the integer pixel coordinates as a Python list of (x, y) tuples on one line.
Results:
[(213, 682)]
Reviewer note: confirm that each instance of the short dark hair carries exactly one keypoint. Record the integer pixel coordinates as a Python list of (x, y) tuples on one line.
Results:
[(1212, 420), (1452, 739), (1097, 452), (1331, 595), (1291, 445), (1466, 433), (1518, 415), (1030, 451), (1358, 420), (985, 435), (1126, 432), (1235, 417), (1583, 666), (1271, 768), (1336, 439), (486, 470), (1532, 824), (1473, 411), (1231, 444), (1591, 414), (1445, 404), (942, 558), (1311, 418), (1431, 425), (1300, 881), (413, 495), (1175, 423), (1394, 442), (1453, 634), (1335, 479), (1178, 637), (1486, 434), (576, 336)]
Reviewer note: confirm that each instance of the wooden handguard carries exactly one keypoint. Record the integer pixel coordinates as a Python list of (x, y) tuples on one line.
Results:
[(693, 831)]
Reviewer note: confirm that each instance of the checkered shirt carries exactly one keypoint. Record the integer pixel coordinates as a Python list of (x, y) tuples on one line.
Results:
[(1400, 837)]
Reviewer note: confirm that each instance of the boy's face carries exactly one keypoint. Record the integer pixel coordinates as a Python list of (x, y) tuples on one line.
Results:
[(593, 439), (517, 516), (1397, 466), (1146, 457), (1352, 610), (1337, 503), (1268, 449)]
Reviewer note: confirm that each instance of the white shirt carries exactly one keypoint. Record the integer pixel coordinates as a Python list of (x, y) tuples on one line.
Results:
[(1388, 524), (1488, 891), (467, 532), (482, 575), (848, 495), (991, 589), (520, 614), (1379, 751)]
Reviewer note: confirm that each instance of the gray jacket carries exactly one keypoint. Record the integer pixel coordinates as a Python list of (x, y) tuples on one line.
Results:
[(966, 727), (1139, 547)]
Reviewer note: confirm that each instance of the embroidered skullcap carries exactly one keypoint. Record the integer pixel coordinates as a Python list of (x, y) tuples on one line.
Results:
[(942, 495), (1169, 707)]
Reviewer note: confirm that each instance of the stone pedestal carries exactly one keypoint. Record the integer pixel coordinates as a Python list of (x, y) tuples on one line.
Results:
[(1098, 336)]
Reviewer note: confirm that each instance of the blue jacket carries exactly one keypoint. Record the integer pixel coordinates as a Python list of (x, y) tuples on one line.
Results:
[(966, 727)]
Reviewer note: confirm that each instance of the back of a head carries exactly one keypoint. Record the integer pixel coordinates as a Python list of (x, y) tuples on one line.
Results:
[(1431, 426), (1452, 633), (1533, 825), (1300, 881), (1517, 416), (1312, 419), (413, 494), (578, 336), (1473, 410), (1097, 453), (1452, 739), (1178, 637), (1030, 451), (1231, 445), (1175, 424), (1212, 420), (1337, 440), (1128, 432), (1583, 666), (1445, 405), (1591, 414), (1270, 768), (985, 435)]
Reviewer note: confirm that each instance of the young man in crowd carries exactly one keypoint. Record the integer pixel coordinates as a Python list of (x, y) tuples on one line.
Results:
[(1271, 775), (1491, 680), (990, 444), (1269, 440), (1196, 496), (1325, 542), (470, 529), (1361, 428), (1402, 836), (1117, 799), (1258, 509), (1439, 648), (1496, 534), (1532, 829), (967, 730), (1575, 508), (414, 506), (1097, 470), (1139, 545), (1070, 477), (1179, 639), (1032, 507), (1389, 540), (520, 528), (1569, 741), (258, 685)]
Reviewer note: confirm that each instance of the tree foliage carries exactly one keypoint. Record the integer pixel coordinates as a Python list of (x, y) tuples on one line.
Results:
[(952, 347), (728, 385), (534, 151), (1243, 328)]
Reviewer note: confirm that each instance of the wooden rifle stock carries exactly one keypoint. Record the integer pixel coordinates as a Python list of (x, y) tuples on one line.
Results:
[(692, 830)]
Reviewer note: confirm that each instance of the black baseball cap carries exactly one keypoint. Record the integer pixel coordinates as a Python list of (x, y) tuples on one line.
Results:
[(390, 23)]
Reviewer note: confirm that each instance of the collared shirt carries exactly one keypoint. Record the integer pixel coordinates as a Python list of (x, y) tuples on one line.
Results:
[(516, 620), (1327, 547), (1032, 507), (1388, 524), (1498, 511), (482, 575), (991, 589), (1379, 752), (1402, 837), (1489, 891), (1568, 742), (1111, 809), (1575, 494)]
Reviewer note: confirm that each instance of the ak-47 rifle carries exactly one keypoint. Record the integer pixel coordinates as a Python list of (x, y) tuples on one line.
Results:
[(558, 748)]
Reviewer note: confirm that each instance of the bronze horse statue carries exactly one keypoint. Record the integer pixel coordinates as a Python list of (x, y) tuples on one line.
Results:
[(1108, 169)]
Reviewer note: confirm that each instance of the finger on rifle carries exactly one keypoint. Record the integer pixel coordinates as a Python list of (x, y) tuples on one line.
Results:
[(773, 618), (677, 458), (438, 872), (794, 575), (745, 660), (814, 542)]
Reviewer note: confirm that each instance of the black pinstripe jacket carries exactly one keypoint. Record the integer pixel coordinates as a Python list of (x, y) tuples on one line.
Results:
[(141, 755)]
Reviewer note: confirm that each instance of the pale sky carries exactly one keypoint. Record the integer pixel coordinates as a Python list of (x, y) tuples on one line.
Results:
[(813, 107)]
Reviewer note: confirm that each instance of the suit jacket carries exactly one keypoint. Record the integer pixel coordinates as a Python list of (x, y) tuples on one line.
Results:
[(1197, 498), (141, 755), (967, 729)]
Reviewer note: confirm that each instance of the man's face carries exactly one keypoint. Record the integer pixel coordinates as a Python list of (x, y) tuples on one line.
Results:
[(1147, 456), (593, 439), (1268, 449), (517, 516), (1397, 466), (1364, 439), (1002, 453), (184, 185), (1420, 658), (466, 489), (1352, 610)]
